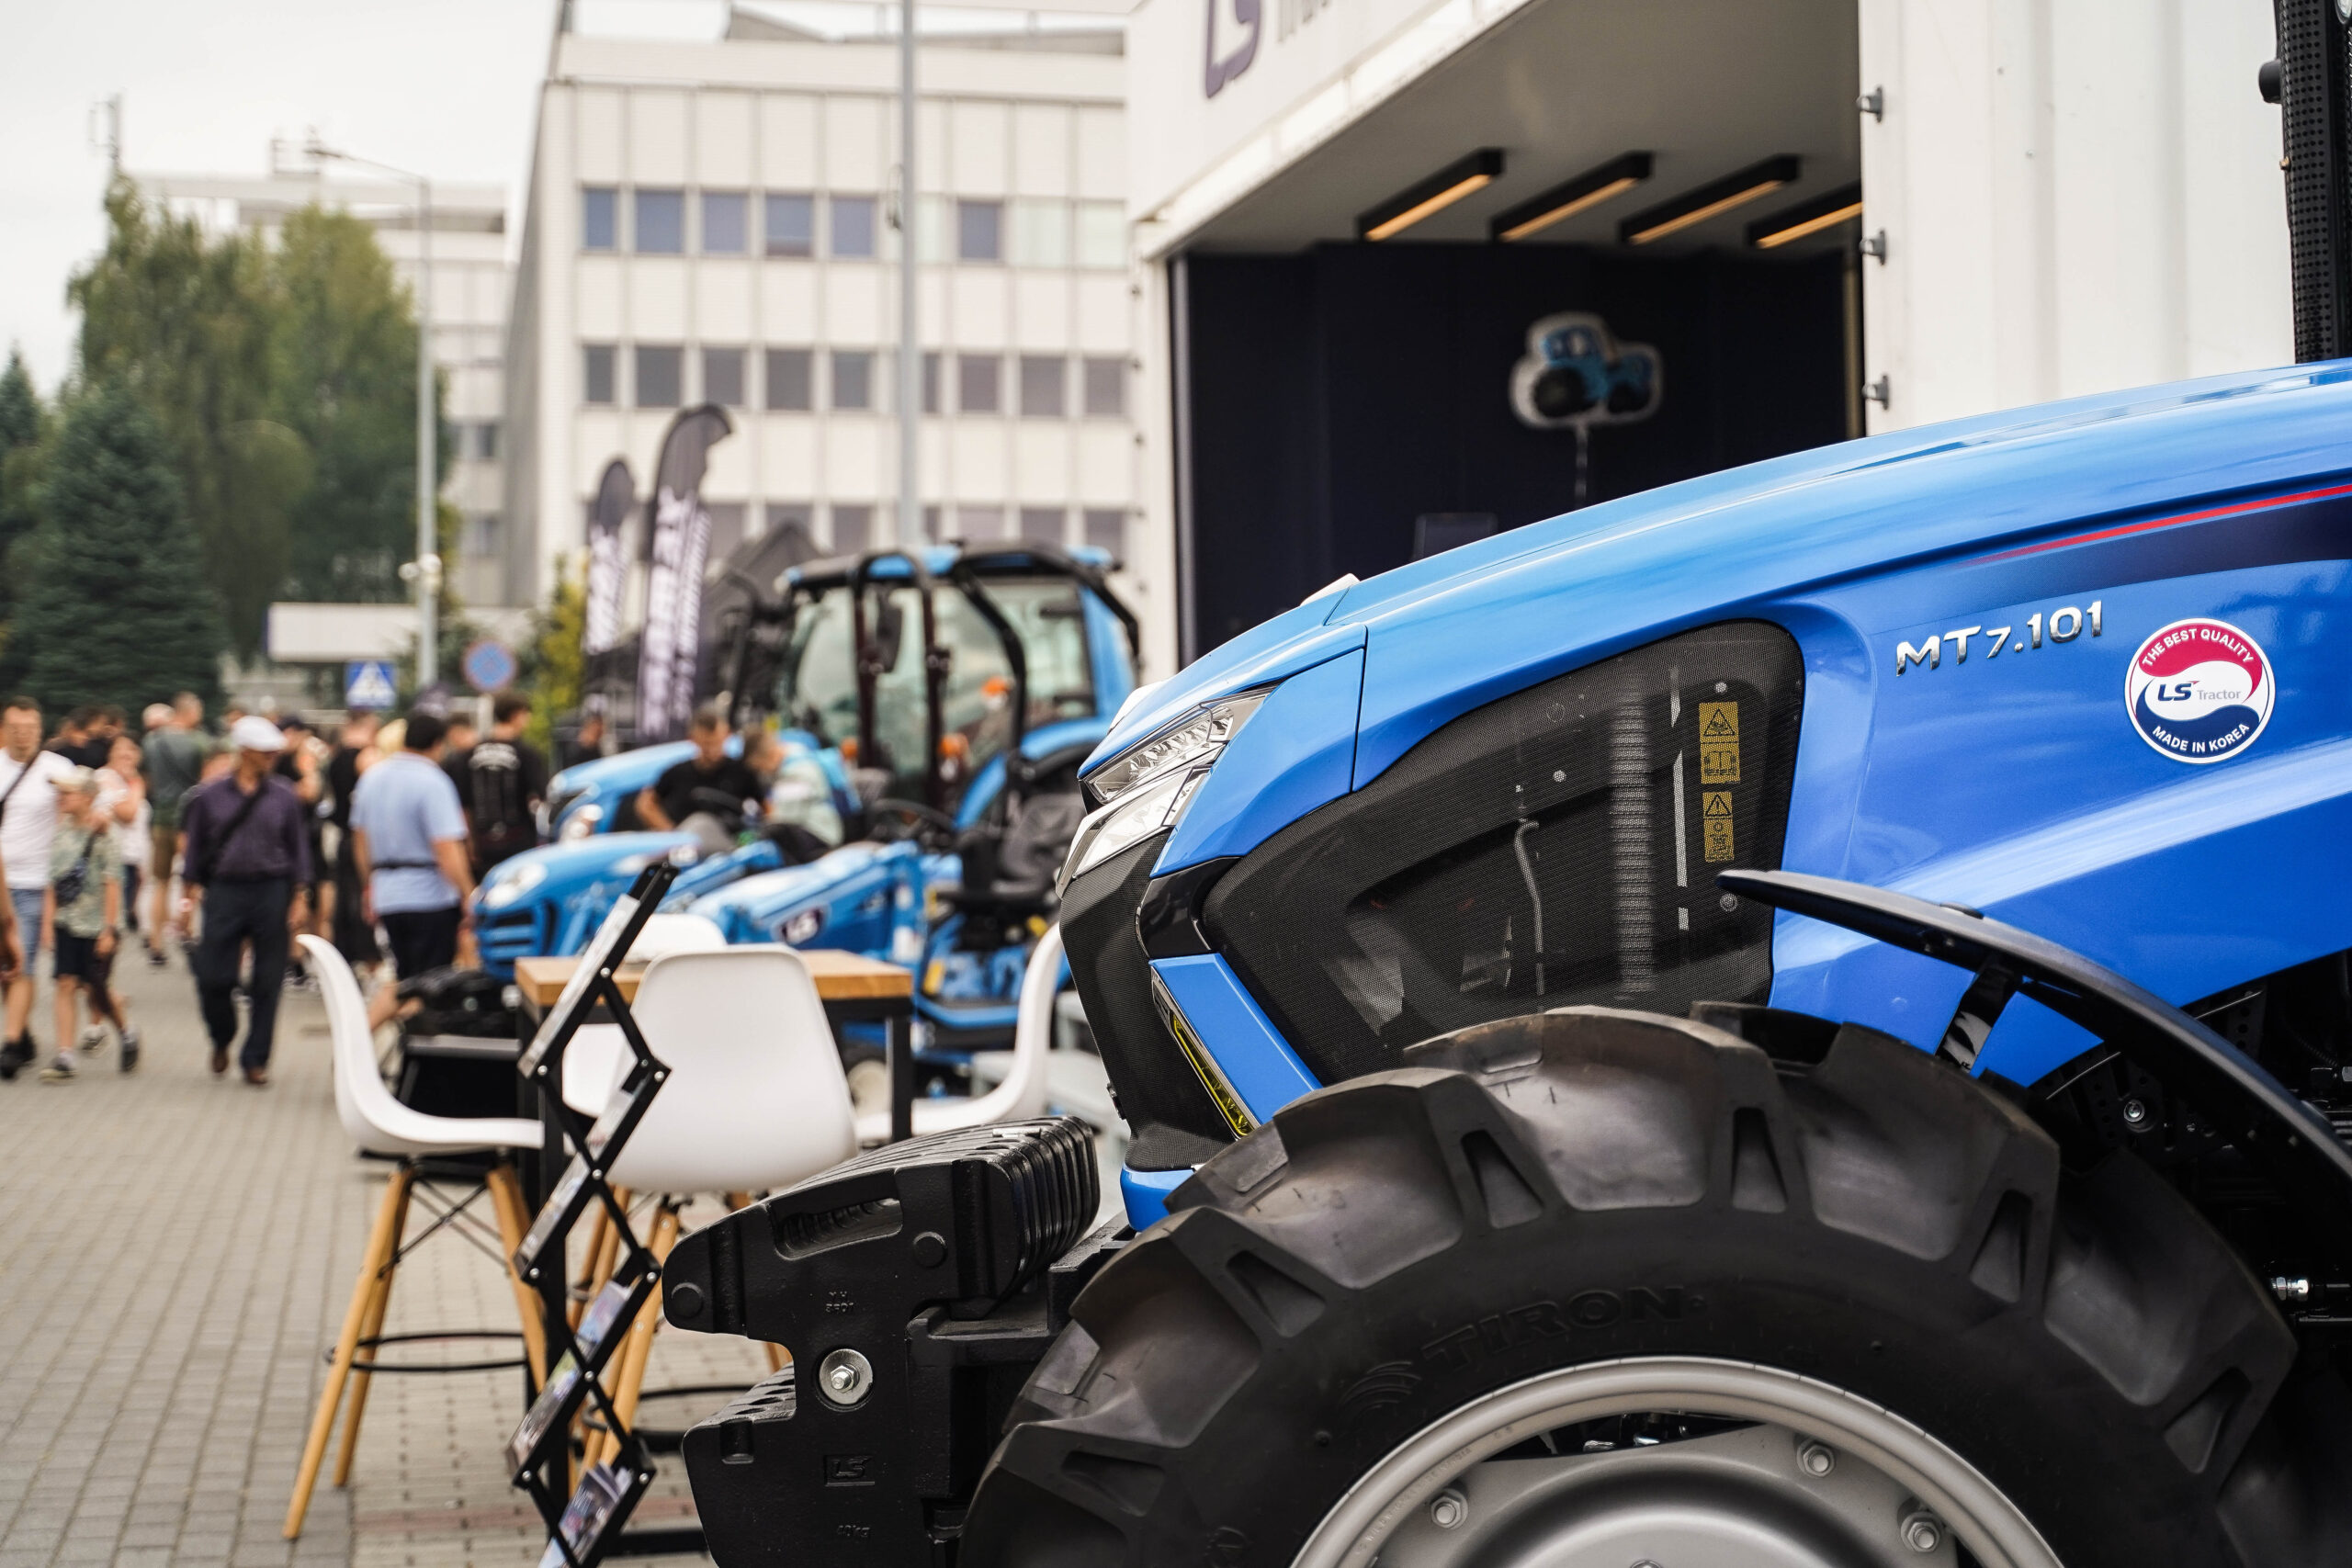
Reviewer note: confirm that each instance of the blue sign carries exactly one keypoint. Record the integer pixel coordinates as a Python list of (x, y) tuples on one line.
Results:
[(489, 666), (367, 683)]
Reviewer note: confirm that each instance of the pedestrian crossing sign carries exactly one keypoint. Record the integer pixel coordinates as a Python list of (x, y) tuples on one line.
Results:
[(367, 683)]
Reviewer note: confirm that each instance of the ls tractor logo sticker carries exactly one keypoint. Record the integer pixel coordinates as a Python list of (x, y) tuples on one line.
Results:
[(2199, 691)]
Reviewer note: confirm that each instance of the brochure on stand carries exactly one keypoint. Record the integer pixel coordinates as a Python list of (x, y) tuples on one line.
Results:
[(594, 1518), (615, 1308)]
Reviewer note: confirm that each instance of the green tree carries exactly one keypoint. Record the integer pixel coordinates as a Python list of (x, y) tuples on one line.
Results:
[(122, 612), (23, 432), (182, 322), (342, 376), (284, 382), (552, 665)]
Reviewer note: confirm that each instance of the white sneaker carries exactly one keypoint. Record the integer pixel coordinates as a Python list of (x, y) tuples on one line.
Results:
[(92, 1037), (61, 1070)]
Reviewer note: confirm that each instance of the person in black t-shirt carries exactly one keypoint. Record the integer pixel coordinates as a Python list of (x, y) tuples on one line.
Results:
[(679, 793), (501, 781)]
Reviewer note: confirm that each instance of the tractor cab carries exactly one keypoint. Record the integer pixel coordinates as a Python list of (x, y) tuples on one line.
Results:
[(924, 698)]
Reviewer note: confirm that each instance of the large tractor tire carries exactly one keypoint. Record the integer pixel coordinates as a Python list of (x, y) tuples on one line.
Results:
[(1607, 1290)]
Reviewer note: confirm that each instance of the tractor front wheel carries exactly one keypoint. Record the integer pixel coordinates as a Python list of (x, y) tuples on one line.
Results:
[(1601, 1289)]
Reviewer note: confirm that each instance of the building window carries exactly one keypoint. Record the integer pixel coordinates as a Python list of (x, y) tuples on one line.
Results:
[(724, 221), (660, 375), (935, 217), (931, 383), (1042, 524), (979, 383), (482, 534), (722, 377), (791, 225), (980, 230), (852, 529), (1101, 235), (599, 218), (1106, 389), (852, 379), (930, 523), (788, 379), (660, 222), (596, 373), (485, 441), (1106, 529), (794, 514), (1041, 234), (1045, 381), (853, 225), (725, 532), (977, 522)]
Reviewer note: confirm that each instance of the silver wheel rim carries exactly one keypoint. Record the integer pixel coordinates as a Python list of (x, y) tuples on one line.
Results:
[(1448, 1471)]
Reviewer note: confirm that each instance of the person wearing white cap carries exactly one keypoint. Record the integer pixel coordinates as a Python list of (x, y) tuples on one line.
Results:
[(246, 844)]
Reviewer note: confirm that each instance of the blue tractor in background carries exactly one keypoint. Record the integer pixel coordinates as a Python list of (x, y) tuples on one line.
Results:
[(932, 708)]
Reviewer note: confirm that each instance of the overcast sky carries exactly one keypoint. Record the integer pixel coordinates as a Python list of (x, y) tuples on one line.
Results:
[(446, 87)]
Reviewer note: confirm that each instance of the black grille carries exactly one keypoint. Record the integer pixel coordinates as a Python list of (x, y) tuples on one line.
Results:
[(2315, 72), (1175, 1125), (1558, 847)]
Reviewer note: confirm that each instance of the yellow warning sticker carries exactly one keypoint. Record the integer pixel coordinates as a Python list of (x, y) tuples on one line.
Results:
[(1718, 743), (1715, 819)]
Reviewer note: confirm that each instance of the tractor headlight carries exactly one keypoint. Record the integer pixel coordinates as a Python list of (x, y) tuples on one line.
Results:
[(508, 888), (1146, 787), (580, 823), (1197, 738)]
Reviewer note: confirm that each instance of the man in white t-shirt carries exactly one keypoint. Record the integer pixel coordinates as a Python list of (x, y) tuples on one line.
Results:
[(27, 827)]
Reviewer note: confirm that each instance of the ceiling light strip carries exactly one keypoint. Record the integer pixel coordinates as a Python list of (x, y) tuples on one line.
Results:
[(1566, 199), (1710, 200), (1807, 218), (1432, 195)]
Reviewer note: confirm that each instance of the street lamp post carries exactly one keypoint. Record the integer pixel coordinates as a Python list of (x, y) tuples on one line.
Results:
[(424, 573), (910, 527)]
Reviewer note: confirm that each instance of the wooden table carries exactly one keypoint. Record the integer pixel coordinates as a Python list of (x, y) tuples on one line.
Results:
[(841, 977)]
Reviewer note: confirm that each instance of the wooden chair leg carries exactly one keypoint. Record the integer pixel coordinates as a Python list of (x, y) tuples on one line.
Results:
[(377, 1307), (506, 1199), (585, 1288), (315, 1451), (608, 1256), (630, 1379)]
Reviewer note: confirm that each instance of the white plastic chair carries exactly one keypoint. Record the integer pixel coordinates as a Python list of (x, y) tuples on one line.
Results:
[(755, 1100), (1022, 1095), (380, 1124), (594, 1060)]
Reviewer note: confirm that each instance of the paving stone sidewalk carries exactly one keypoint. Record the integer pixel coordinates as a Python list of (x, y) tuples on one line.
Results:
[(176, 1252)]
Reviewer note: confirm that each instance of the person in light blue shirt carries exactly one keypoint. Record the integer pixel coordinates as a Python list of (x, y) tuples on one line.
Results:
[(408, 839)]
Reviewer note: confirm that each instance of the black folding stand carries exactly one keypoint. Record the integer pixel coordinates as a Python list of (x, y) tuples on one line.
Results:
[(585, 1522)]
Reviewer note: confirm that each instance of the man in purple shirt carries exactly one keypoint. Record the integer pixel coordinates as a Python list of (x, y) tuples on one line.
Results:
[(246, 843)]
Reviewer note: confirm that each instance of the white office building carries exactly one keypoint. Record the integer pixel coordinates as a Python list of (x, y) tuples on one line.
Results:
[(709, 222), (467, 309)]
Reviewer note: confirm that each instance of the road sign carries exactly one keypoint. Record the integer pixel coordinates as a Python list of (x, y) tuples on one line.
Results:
[(367, 683), (489, 666)]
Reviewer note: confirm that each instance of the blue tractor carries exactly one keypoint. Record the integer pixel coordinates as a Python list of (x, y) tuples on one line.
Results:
[(934, 708), (1800, 1018)]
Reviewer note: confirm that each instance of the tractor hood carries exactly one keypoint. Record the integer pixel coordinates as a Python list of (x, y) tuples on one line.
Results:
[(1449, 634), (557, 871)]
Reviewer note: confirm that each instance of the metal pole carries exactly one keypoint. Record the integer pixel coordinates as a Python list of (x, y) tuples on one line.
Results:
[(910, 522), (428, 560)]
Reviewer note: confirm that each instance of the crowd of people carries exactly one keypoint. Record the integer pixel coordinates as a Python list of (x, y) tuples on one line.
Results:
[(242, 834)]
